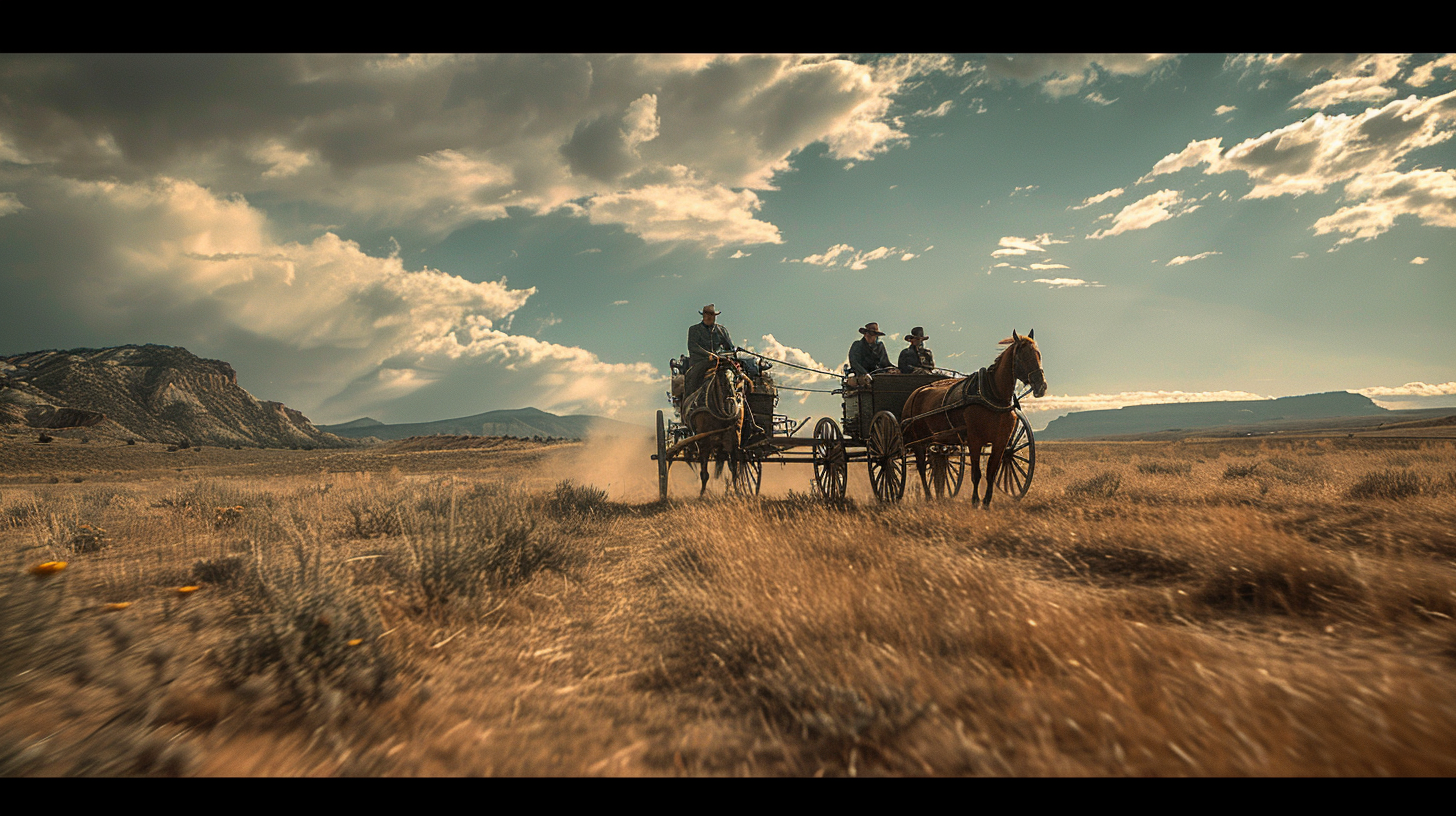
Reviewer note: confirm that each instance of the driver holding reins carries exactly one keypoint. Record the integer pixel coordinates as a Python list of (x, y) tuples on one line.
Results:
[(867, 354)]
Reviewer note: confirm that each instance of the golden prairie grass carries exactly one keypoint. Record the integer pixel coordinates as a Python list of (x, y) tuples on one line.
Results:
[(1141, 612)]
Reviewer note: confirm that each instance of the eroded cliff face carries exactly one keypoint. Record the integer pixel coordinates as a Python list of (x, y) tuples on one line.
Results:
[(153, 393)]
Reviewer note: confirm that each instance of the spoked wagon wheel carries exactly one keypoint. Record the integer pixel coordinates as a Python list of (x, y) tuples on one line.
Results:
[(661, 459), (885, 447), (947, 468), (748, 476), (1019, 460), (831, 464)]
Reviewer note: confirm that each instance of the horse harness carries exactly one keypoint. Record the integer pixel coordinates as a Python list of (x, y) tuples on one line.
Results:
[(977, 389)]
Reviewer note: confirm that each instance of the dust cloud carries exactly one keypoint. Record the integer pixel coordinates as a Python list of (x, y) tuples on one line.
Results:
[(623, 467)]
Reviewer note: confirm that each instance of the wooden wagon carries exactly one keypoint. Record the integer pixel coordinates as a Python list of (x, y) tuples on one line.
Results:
[(872, 431)]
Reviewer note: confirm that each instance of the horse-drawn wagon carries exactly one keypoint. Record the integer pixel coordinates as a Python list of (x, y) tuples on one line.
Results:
[(881, 426)]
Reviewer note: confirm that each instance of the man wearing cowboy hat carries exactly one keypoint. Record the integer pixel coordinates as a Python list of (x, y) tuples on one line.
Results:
[(868, 354), (703, 338), (916, 358)]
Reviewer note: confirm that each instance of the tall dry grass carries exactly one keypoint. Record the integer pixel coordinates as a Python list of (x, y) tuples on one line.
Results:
[(1141, 612)]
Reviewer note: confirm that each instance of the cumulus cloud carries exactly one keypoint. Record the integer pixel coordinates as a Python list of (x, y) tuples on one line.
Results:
[(1098, 199), (1425, 74), (938, 111), (1145, 212), (848, 257), (1062, 75), (1316, 152), (1361, 81), (1412, 389), (336, 329), (1066, 283), (1429, 195), (1183, 259), (685, 209), (1013, 245), (1052, 403), (433, 142), (1418, 260), (10, 203), (1222, 109)]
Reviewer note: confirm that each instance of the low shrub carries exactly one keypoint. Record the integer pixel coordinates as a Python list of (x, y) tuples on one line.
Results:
[(1103, 485), (1166, 468), (1240, 471), (1389, 484)]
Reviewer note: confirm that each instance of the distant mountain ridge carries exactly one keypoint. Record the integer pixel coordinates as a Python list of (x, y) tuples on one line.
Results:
[(147, 392), (1144, 419), (518, 422)]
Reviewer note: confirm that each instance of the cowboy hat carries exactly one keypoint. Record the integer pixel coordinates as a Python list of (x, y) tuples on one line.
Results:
[(709, 309), (872, 328), (919, 332)]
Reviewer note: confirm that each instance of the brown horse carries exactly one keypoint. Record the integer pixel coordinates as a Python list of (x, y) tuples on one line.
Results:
[(975, 423), (715, 412)]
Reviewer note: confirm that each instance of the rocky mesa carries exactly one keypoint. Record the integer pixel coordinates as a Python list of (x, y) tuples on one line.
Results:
[(148, 393)]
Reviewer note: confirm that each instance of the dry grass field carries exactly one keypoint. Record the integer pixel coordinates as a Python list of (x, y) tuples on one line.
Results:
[(1155, 609)]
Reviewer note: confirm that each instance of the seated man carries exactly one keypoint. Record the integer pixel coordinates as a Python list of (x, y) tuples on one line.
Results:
[(867, 354), (704, 339), (916, 359)]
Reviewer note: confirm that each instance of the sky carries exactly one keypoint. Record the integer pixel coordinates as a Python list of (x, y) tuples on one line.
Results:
[(417, 237)]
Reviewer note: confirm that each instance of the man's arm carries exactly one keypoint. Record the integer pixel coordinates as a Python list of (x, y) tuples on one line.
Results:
[(856, 358), (908, 360)]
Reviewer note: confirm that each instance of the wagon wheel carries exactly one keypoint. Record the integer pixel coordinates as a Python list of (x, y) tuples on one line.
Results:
[(831, 464), (947, 469), (1019, 460), (661, 459), (748, 476), (885, 446)]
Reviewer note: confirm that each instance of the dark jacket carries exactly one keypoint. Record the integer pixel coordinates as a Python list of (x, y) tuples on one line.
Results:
[(912, 358), (703, 338), (865, 358)]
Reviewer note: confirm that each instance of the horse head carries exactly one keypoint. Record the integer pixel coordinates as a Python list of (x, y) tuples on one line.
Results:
[(1026, 361)]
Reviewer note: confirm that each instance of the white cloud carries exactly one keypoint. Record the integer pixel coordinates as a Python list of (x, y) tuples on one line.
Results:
[(940, 110), (1425, 74), (431, 143), (788, 376), (848, 257), (1062, 75), (1040, 266), (1299, 256), (1098, 199), (1412, 389), (10, 203), (1099, 99), (1052, 403), (1013, 245), (686, 210), (1065, 283), (1430, 195), (740, 254), (909, 256), (1362, 81), (1183, 259), (336, 329), (1222, 109), (620, 302), (1145, 212), (1418, 260), (1314, 153), (1027, 189)]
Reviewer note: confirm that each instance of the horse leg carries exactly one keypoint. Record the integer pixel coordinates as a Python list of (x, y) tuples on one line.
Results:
[(704, 469), (920, 451), (993, 467), (975, 471)]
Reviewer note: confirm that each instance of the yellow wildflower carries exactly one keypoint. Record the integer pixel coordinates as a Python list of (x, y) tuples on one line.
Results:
[(118, 606), (186, 590), (47, 568), (356, 641)]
